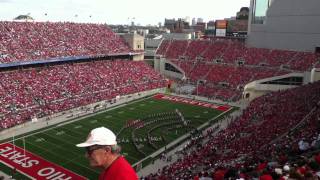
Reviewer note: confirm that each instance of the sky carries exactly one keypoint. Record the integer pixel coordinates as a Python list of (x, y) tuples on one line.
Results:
[(142, 12)]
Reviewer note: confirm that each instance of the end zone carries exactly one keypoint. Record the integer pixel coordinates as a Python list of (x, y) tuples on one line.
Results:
[(32, 165), (177, 99)]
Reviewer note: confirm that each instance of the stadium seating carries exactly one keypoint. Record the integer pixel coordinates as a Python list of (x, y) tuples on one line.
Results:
[(229, 63), (231, 51), (232, 77), (195, 48), (267, 134), (29, 41), (163, 48), (176, 49), (42, 91)]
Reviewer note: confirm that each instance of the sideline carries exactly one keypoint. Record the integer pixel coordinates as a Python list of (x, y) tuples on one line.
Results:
[(73, 114), (79, 118)]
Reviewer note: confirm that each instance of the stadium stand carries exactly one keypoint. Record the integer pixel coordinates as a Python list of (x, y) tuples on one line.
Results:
[(231, 51), (29, 41), (223, 77), (226, 66), (42, 91), (279, 130)]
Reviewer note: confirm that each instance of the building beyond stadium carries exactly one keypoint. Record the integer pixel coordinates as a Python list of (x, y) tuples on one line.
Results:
[(285, 24)]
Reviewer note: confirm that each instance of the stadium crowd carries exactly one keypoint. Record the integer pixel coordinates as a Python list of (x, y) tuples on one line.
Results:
[(223, 81), (225, 66), (276, 137), (232, 51), (42, 91), (29, 41)]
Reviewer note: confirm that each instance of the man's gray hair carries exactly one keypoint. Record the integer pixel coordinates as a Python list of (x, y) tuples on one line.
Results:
[(116, 149)]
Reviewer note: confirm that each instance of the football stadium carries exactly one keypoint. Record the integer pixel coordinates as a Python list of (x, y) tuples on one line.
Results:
[(239, 101)]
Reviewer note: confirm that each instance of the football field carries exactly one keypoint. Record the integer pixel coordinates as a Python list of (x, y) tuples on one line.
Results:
[(142, 127)]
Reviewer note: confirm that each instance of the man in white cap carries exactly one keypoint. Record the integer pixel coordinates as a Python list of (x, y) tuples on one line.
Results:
[(103, 152)]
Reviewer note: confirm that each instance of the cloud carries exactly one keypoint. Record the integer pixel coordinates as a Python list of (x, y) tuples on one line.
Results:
[(6, 1)]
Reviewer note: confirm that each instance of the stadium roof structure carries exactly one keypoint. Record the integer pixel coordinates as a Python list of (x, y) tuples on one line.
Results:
[(64, 59)]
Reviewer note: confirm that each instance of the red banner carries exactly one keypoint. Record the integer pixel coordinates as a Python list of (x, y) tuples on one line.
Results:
[(32, 165), (192, 102)]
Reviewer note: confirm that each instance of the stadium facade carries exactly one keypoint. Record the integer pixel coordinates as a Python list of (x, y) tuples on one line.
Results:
[(285, 24)]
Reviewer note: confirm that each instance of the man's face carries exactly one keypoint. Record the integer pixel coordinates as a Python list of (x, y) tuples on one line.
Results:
[(97, 155)]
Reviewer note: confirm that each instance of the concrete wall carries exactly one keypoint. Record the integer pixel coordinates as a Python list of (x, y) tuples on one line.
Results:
[(159, 66), (289, 25), (178, 36), (157, 63), (170, 73), (256, 88), (135, 41), (138, 57), (315, 75), (151, 45)]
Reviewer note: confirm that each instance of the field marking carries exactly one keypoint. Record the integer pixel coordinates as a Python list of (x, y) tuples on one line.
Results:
[(61, 156), (8, 165), (65, 134), (108, 116), (44, 150), (90, 126), (132, 108), (86, 167), (77, 127), (76, 132), (60, 147), (46, 133), (59, 133), (41, 139), (93, 121), (56, 146)]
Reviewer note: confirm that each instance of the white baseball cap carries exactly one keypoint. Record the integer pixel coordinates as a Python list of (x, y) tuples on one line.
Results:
[(99, 136), (286, 168)]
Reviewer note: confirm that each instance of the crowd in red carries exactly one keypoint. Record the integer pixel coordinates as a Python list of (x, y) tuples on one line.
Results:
[(225, 66), (276, 130), (223, 81), (42, 91), (232, 51), (28, 41)]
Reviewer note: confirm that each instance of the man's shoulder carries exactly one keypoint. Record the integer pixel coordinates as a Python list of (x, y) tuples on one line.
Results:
[(121, 161), (122, 169)]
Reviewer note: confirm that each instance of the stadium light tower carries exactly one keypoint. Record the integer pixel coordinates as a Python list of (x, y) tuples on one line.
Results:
[(130, 20)]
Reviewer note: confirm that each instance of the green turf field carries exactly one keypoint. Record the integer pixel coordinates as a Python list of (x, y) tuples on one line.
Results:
[(57, 144)]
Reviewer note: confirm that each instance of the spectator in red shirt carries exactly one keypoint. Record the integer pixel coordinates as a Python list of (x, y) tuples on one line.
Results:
[(103, 152), (266, 177), (317, 158), (219, 174)]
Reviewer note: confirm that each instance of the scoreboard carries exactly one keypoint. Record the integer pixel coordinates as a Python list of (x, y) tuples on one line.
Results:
[(221, 28)]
